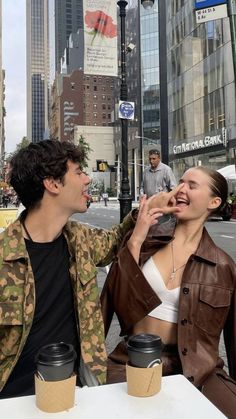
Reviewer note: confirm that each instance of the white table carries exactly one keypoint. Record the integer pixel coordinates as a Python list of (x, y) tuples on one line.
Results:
[(178, 399)]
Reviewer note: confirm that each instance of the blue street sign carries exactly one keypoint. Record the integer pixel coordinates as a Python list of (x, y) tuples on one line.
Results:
[(126, 110), (202, 4)]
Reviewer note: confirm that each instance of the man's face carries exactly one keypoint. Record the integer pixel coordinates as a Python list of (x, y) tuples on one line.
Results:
[(154, 160), (74, 189)]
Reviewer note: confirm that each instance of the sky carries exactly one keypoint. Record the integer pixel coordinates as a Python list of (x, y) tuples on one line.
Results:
[(14, 63)]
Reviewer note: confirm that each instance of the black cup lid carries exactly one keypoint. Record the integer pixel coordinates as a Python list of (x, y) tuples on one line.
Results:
[(145, 340), (56, 352)]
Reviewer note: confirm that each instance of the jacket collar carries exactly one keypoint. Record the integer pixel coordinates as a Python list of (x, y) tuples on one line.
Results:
[(207, 250)]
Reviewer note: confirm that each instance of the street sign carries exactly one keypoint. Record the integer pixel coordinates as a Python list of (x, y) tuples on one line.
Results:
[(126, 110), (202, 4), (211, 13)]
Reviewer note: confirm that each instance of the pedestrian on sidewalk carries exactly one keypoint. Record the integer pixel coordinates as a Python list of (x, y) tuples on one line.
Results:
[(105, 198), (158, 176)]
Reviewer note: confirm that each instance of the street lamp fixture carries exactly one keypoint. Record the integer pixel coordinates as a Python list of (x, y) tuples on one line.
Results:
[(147, 4), (125, 197)]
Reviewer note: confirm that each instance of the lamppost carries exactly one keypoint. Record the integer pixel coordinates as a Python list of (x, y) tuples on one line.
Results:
[(125, 197)]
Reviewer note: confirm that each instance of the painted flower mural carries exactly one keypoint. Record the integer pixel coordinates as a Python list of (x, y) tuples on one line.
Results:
[(101, 24)]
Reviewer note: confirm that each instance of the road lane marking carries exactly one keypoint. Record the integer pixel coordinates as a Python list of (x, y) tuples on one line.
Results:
[(227, 237)]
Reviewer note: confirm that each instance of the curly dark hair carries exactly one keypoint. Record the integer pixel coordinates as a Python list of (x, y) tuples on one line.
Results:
[(32, 164)]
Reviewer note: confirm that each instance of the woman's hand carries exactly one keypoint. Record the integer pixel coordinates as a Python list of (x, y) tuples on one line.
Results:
[(166, 200), (147, 216)]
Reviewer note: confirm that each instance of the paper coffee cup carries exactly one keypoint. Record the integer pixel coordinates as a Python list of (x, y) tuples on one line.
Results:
[(55, 396), (143, 382), (144, 350), (55, 362)]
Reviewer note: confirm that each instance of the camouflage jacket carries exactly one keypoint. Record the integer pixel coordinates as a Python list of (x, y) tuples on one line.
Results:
[(88, 248)]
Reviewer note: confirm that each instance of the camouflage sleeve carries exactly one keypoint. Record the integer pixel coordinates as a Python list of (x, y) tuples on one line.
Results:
[(104, 244)]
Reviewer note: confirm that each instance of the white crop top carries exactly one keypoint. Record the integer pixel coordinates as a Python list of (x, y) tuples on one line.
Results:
[(168, 309)]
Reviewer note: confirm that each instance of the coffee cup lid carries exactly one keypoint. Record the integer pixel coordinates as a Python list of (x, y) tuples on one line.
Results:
[(56, 353), (145, 340)]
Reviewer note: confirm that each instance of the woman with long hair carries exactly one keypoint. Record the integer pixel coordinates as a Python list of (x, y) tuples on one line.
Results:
[(170, 279)]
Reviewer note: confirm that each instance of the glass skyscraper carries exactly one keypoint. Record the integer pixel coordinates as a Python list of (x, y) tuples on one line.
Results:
[(201, 90), (68, 19), (37, 43)]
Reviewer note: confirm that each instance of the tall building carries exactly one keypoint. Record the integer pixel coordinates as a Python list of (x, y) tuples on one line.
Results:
[(201, 90), (37, 44), (68, 19)]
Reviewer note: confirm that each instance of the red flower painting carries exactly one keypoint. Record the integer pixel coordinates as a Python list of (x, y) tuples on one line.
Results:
[(101, 24)]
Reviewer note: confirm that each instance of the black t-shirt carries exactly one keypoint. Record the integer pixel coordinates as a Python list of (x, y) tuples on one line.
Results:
[(54, 317)]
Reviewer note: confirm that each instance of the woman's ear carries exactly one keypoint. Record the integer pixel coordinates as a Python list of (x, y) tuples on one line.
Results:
[(214, 203)]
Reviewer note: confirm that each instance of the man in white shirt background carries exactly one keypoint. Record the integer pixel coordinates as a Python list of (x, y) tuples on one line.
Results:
[(158, 176)]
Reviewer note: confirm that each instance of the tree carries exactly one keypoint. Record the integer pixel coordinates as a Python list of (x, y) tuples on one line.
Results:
[(87, 149), (24, 143)]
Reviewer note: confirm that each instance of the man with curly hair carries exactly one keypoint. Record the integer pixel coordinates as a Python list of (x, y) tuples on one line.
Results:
[(48, 286)]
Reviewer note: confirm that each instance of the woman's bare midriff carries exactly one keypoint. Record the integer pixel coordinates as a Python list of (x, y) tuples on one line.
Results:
[(166, 330)]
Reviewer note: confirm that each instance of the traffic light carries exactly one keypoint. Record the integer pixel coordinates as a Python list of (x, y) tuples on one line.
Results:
[(102, 167)]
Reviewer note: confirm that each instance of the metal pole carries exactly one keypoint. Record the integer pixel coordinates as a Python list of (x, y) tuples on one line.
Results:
[(125, 197), (140, 83), (164, 131)]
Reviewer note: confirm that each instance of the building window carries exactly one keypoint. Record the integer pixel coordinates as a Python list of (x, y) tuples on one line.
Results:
[(95, 88), (103, 106)]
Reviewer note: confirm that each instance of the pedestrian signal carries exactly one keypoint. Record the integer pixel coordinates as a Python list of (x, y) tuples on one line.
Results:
[(102, 167)]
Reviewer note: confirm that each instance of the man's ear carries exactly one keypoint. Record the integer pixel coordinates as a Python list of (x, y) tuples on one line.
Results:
[(214, 203), (51, 185)]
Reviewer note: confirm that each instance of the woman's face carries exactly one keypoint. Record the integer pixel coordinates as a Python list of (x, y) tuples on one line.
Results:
[(195, 199)]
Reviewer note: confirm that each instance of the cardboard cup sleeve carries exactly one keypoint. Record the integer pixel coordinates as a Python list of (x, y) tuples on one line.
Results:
[(55, 396), (143, 382)]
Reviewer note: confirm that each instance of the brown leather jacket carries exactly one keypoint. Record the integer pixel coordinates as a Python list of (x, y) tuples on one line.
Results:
[(207, 302)]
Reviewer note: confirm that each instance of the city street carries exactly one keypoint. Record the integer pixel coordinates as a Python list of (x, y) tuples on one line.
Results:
[(222, 232)]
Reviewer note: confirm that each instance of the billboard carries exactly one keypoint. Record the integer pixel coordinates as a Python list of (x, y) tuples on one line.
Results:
[(201, 4), (100, 37)]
